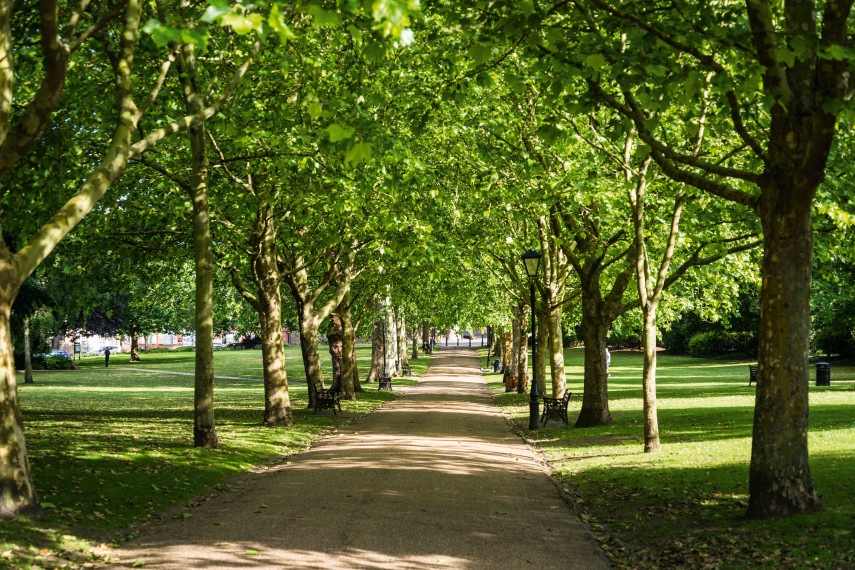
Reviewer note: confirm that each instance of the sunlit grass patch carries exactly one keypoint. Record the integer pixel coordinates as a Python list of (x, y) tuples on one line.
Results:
[(684, 506), (111, 448)]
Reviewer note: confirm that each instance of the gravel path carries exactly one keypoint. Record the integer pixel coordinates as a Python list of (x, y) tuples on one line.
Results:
[(435, 479)]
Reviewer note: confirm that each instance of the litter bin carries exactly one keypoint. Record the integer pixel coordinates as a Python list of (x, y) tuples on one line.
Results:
[(497, 366), (823, 374)]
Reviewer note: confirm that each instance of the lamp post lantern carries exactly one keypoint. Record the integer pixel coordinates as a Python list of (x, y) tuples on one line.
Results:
[(531, 261)]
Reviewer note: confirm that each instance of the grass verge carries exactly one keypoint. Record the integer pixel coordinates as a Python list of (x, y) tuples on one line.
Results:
[(684, 507), (112, 448)]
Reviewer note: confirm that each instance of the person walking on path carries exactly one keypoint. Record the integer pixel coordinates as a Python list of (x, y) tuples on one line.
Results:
[(434, 479), (106, 358)]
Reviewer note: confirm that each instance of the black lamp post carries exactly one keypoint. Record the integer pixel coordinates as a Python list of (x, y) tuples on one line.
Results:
[(531, 260)]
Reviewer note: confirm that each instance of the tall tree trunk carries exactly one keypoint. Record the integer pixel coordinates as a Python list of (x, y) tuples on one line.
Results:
[(391, 344), (542, 352), (595, 399), (780, 482), (335, 343), (426, 335), (17, 495), (265, 271), (135, 344), (506, 352), (349, 374), (401, 325), (376, 351), (651, 417), (552, 323), (522, 350), (277, 399), (28, 354), (309, 349), (204, 430), (415, 354), (511, 378)]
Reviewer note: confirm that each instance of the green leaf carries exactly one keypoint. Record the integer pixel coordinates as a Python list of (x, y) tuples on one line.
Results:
[(314, 108), (160, 34), (278, 25), (360, 152), (215, 10), (338, 133), (479, 53), (243, 24), (595, 61), (252, 552), (324, 18), (785, 56), (138, 563)]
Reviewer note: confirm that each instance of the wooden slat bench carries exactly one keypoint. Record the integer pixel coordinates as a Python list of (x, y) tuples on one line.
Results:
[(752, 374)]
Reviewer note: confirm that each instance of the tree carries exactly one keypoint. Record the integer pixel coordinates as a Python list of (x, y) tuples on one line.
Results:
[(778, 96)]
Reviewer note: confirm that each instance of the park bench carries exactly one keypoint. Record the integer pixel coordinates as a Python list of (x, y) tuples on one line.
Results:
[(752, 374), (325, 399), (406, 371), (556, 409)]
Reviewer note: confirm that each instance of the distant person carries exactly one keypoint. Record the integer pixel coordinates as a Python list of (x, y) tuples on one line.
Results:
[(106, 358), (608, 362)]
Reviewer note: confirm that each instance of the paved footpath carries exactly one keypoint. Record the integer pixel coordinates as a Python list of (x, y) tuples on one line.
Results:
[(435, 479)]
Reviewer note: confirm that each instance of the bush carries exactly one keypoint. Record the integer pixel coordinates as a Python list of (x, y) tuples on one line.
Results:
[(158, 349), (714, 343), (56, 362), (834, 340), (184, 349)]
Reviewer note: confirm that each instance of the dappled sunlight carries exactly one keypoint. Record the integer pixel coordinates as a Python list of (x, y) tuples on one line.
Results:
[(252, 554), (435, 479)]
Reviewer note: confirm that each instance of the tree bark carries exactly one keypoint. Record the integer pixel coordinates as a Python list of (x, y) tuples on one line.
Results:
[(507, 354), (349, 373), (401, 325), (391, 346), (595, 399), (135, 344), (376, 351), (780, 482), (204, 429), (426, 335), (552, 322), (309, 326), (268, 280), (28, 354), (542, 352), (335, 342), (415, 353), (511, 378), (17, 495), (277, 400), (522, 350)]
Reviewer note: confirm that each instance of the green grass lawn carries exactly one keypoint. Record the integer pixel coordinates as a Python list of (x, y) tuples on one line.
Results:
[(684, 507), (111, 448)]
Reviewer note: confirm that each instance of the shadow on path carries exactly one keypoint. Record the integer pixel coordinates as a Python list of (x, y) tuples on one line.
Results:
[(435, 479)]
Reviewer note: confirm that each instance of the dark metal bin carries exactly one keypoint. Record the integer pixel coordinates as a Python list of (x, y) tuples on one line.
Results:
[(823, 374)]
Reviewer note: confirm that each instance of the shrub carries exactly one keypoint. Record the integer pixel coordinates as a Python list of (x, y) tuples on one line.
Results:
[(184, 349), (56, 362), (714, 343), (158, 349)]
